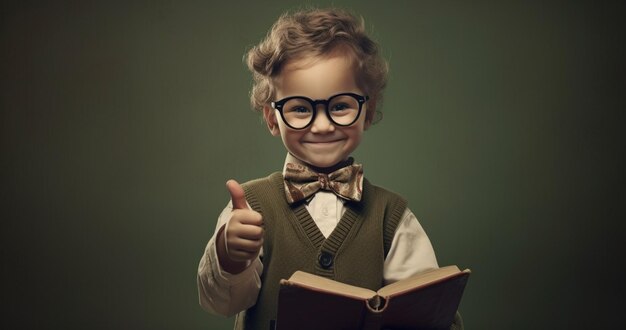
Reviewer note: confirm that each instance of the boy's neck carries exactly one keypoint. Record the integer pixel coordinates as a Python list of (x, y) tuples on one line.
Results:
[(292, 159)]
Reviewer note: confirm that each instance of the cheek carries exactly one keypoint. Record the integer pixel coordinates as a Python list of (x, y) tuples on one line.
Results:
[(356, 132), (288, 135), (357, 138)]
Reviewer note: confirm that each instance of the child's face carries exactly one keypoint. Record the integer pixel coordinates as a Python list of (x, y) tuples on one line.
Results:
[(322, 144)]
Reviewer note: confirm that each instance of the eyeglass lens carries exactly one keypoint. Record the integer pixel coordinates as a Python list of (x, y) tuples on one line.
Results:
[(343, 110)]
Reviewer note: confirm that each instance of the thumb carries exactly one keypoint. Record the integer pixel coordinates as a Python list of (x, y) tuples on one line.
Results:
[(236, 194)]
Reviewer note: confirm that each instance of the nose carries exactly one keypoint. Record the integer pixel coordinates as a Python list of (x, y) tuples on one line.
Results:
[(322, 123)]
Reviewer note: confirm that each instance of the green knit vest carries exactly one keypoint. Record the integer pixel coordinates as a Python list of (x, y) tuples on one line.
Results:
[(354, 253)]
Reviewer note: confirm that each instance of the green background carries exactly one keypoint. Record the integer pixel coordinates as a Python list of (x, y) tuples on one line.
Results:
[(121, 122)]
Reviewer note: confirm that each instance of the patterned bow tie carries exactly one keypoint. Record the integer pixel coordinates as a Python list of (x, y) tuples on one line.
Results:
[(301, 182)]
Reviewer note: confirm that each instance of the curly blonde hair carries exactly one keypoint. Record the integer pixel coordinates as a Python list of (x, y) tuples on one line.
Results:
[(316, 33)]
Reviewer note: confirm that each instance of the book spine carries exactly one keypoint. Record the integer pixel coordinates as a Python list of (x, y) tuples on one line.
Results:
[(372, 321)]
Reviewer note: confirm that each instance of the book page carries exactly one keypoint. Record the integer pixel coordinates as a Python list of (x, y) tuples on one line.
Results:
[(323, 284), (418, 280)]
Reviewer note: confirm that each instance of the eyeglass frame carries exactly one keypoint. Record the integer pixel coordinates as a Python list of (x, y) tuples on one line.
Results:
[(278, 105)]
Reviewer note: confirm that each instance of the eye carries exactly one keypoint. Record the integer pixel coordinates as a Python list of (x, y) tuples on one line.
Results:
[(300, 109), (340, 107)]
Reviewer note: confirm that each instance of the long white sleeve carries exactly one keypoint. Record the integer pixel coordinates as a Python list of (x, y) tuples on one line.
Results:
[(411, 251), (223, 293)]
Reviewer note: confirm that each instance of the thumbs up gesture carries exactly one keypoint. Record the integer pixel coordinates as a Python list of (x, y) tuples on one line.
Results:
[(242, 236)]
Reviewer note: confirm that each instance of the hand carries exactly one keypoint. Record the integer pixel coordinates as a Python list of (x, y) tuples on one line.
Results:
[(243, 234)]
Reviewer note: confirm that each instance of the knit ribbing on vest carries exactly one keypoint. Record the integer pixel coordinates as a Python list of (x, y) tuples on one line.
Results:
[(292, 241)]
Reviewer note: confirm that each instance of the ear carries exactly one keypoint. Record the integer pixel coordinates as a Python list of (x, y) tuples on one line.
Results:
[(269, 114), (368, 122), (369, 117)]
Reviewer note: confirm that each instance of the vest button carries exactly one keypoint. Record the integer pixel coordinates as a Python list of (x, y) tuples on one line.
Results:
[(325, 260)]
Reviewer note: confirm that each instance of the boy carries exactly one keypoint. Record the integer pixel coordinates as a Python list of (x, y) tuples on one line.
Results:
[(317, 80)]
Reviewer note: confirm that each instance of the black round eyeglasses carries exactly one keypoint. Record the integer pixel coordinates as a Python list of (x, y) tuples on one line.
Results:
[(298, 112)]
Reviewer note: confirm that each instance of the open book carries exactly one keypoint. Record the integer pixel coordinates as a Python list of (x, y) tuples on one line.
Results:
[(428, 300)]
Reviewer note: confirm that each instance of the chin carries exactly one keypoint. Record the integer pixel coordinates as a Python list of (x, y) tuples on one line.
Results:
[(325, 163)]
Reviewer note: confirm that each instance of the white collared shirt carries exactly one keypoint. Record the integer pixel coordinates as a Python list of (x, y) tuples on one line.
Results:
[(226, 294)]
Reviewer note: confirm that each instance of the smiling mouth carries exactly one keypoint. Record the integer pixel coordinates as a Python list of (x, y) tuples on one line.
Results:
[(322, 142)]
